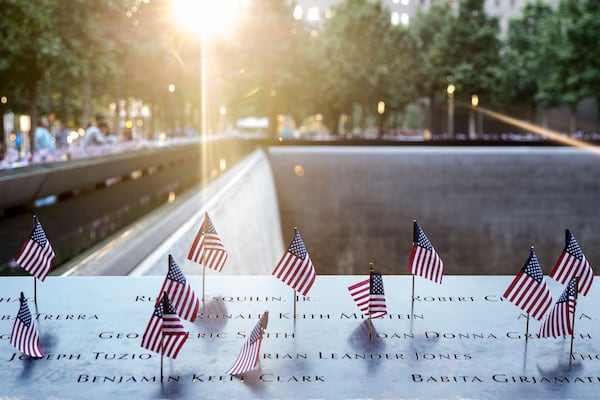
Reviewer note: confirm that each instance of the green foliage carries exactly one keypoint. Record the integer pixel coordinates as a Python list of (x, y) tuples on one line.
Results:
[(521, 60), (271, 64), (467, 50), (264, 61), (569, 47)]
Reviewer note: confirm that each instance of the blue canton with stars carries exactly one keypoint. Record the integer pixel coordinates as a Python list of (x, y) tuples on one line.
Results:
[(573, 248), (297, 247), (569, 292), (175, 273), (533, 269), (38, 235), (376, 286), (422, 240), (24, 314), (158, 310), (211, 227)]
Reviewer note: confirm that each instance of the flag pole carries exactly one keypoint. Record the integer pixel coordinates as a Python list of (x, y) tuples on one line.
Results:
[(263, 328), (527, 321), (370, 289), (162, 355), (415, 239), (295, 294), (573, 321), (295, 300), (34, 280), (162, 335), (204, 251)]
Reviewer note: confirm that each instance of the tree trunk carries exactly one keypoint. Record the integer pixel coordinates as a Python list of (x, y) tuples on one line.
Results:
[(272, 129), (3, 144), (335, 124), (86, 100), (363, 119), (33, 112), (572, 120)]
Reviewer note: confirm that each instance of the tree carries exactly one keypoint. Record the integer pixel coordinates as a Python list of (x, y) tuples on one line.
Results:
[(570, 52), (49, 48), (27, 47), (365, 60), (428, 28), (520, 60), (262, 58), (467, 52)]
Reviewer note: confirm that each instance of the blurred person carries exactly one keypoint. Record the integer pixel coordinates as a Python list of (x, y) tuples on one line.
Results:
[(93, 135), (107, 135), (61, 136), (18, 140), (127, 135), (42, 137)]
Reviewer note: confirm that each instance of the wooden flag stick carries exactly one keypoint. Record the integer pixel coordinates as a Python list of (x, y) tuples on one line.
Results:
[(295, 300), (415, 240), (370, 319), (162, 333), (573, 321), (203, 272), (527, 328), (162, 355)]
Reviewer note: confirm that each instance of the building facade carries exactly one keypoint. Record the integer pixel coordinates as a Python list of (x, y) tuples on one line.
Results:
[(402, 11)]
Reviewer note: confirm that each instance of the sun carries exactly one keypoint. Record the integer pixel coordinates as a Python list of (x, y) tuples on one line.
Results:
[(206, 17)]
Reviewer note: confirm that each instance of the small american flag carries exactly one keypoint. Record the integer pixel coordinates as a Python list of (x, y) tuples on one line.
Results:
[(295, 267), (528, 290), (24, 334), (207, 248), (36, 255), (180, 292), (164, 333), (248, 357), (424, 261), (369, 296), (558, 321), (572, 263)]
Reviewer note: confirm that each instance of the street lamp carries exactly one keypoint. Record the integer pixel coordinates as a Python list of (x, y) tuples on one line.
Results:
[(472, 112), (380, 111), (223, 114), (450, 91), (171, 110)]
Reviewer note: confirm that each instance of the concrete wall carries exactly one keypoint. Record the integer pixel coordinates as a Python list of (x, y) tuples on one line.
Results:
[(242, 205), (482, 208)]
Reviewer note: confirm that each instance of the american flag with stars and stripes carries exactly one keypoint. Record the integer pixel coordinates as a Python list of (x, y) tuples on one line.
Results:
[(528, 290), (24, 336), (164, 333), (295, 267), (424, 261), (36, 255), (558, 321), (180, 292), (369, 296), (248, 357), (207, 248), (572, 263)]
